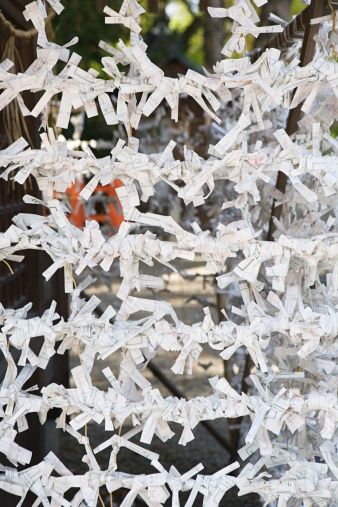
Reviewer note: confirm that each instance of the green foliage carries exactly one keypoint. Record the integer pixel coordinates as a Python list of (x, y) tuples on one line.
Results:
[(195, 49), (147, 21), (297, 6), (181, 17), (80, 18), (334, 130)]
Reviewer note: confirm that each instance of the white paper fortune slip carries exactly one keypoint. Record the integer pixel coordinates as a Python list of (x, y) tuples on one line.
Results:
[(281, 295)]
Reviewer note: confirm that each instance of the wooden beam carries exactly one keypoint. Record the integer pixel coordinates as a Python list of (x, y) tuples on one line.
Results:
[(297, 27)]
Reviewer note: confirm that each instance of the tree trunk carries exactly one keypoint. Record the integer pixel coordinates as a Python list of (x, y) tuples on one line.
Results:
[(214, 34), (279, 7)]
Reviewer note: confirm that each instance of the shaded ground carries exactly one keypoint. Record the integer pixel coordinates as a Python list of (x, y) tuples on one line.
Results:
[(204, 448)]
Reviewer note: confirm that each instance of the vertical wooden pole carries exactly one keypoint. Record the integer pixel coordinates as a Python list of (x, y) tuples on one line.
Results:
[(314, 10)]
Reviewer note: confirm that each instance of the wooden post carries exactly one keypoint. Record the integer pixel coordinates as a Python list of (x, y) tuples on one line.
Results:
[(27, 284), (314, 10)]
